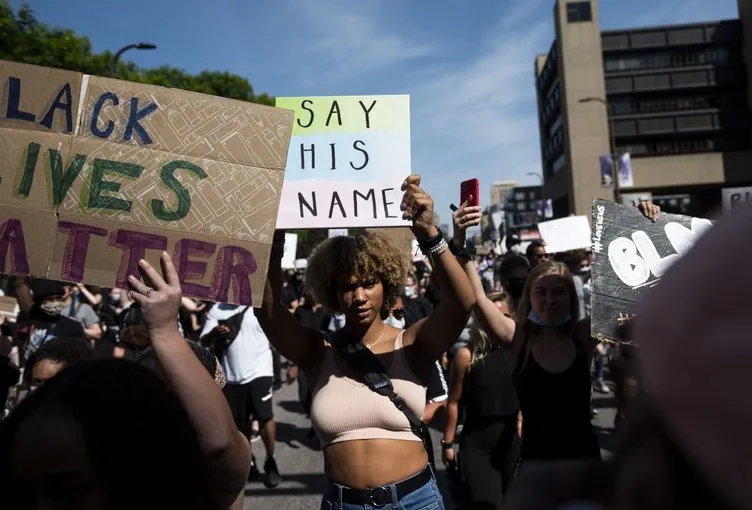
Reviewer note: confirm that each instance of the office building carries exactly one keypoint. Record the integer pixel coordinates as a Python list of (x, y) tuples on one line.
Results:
[(499, 190), (524, 208), (680, 102)]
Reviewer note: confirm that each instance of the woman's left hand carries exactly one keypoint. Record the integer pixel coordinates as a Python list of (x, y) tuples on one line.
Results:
[(649, 209), (417, 205), (160, 302)]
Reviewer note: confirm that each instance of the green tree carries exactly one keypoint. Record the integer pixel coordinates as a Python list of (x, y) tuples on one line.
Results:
[(23, 38)]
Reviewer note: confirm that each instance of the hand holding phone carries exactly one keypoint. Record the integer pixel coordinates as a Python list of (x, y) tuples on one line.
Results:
[(470, 189)]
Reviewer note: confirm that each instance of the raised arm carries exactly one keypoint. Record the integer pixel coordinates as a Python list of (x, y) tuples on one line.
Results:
[(225, 448), (498, 326), (433, 335), (459, 369), (297, 343), (93, 299)]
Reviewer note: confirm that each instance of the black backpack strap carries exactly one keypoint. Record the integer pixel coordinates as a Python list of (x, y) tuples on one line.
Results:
[(365, 363)]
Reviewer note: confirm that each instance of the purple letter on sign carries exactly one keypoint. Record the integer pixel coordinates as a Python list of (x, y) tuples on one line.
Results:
[(239, 274), (134, 246), (193, 269), (74, 258), (12, 236)]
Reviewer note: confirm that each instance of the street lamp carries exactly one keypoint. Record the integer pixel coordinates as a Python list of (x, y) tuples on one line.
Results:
[(116, 56), (536, 174), (612, 144)]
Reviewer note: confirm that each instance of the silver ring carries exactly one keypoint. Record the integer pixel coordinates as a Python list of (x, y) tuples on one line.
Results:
[(149, 290)]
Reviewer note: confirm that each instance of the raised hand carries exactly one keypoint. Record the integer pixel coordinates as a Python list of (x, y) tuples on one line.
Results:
[(464, 217), (158, 295), (417, 205), (648, 209)]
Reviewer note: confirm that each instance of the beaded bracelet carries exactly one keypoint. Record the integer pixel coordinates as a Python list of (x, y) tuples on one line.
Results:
[(428, 245), (435, 252)]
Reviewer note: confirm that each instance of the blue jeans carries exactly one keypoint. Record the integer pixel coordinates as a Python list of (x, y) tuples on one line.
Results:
[(426, 497)]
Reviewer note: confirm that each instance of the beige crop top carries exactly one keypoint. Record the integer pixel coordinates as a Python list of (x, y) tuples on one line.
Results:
[(344, 409)]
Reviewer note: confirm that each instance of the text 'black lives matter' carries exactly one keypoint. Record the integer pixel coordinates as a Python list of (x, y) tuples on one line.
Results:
[(630, 255)]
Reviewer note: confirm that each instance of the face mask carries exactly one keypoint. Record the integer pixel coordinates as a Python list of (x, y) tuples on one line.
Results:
[(395, 323), (52, 307), (584, 269), (535, 319), (515, 249), (515, 287), (115, 298), (409, 291)]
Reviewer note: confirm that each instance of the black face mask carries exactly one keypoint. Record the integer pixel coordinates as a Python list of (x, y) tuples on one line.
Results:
[(515, 287)]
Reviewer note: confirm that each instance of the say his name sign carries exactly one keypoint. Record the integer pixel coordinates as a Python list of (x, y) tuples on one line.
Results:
[(348, 158), (630, 255), (98, 173)]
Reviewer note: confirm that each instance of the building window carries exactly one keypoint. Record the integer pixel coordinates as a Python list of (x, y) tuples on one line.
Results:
[(669, 59), (555, 126), (559, 163), (578, 12), (673, 103)]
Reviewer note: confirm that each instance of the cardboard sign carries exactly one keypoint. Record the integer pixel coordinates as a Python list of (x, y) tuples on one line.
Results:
[(565, 234), (348, 158), (291, 250), (630, 255), (98, 173), (9, 308), (337, 232), (735, 197)]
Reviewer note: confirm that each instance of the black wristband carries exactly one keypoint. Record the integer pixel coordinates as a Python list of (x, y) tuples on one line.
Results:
[(445, 445), (428, 245), (453, 248)]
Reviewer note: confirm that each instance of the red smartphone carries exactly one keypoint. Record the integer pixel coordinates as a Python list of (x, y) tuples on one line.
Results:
[(468, 188)]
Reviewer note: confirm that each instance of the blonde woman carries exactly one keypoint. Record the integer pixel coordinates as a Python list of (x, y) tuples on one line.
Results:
[(481, 385), (549, 349)]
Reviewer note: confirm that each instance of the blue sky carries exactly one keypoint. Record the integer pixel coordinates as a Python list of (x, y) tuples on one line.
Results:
[(469, 71)]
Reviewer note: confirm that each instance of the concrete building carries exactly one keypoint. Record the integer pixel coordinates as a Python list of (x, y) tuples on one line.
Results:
[(499, 190), (679, 96)]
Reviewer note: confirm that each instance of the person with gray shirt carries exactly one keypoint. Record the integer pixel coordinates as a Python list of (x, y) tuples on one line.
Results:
[(77, 309)]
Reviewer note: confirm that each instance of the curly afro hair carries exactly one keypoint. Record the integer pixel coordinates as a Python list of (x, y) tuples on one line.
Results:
[(364, 257)]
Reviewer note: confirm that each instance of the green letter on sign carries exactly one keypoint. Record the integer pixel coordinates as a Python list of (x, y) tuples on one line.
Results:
[(184, 198), (99, 185), (62, 180)]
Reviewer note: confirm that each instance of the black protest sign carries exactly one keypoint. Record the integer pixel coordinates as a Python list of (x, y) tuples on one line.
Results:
[(630, 255)]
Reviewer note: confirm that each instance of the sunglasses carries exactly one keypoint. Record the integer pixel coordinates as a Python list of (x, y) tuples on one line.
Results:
[(398, 313)]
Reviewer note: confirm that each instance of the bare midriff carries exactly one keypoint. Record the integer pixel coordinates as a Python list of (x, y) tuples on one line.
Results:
[(370, 463)]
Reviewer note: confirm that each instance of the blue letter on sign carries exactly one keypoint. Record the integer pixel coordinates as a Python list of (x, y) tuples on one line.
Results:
[(14, 99), (95, 115), (133, 121)]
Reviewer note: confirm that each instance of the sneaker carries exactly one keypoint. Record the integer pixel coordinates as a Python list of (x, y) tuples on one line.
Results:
[(254, 473), (255, 437), (602, 388), (272, 477)]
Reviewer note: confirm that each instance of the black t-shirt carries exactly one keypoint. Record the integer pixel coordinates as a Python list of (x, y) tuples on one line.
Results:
[(66, 327), (288, 294), (416, 309), (315, 319)]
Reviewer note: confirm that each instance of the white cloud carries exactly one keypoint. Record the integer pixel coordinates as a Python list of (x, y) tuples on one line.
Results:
[(478, 118), (350, 43), (475, 117)]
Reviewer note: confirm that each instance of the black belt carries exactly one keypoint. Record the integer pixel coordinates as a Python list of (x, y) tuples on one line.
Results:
[(382, 496)]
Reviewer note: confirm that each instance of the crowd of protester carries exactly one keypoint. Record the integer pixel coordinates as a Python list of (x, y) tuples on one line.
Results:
[(143, 398)]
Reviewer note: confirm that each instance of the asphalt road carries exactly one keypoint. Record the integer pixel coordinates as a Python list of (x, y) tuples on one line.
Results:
[(302, 465)]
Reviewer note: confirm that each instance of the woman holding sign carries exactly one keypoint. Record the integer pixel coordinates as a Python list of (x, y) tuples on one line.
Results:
[(375, 450), (549, 350)]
